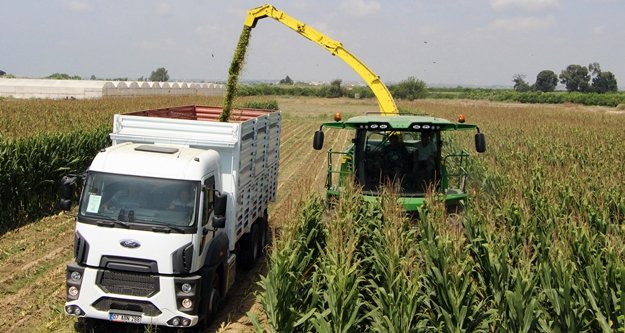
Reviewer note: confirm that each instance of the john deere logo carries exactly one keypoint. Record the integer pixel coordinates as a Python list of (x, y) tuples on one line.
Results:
[(129, 243)]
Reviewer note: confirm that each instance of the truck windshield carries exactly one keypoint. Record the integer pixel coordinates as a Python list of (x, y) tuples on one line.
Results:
[(139, 200), (407, 158)]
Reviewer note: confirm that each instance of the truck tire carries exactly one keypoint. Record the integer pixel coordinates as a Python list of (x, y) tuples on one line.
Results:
[(249, 248), (263, 239), (87, 325), (212, 295)]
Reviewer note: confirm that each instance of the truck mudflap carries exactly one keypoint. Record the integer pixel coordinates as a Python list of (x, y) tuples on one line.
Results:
[(176, 303)]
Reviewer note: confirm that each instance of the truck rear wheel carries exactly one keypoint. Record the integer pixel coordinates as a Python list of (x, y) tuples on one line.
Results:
[(263, 239), (249, 248)]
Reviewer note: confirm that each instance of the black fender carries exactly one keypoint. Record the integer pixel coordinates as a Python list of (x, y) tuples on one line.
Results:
[(217, 252)]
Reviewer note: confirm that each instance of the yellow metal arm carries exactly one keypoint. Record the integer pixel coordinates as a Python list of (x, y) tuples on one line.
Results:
[(383, 95)]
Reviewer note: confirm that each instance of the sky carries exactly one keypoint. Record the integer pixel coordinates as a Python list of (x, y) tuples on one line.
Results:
[(443, 42)]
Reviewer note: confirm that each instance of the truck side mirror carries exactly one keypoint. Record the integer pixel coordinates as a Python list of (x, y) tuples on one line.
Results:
[(318, 140), (219, 210), (67, 192), (480, 142)]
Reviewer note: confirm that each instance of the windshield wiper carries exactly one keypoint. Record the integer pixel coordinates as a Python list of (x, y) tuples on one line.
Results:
[(167, 228)]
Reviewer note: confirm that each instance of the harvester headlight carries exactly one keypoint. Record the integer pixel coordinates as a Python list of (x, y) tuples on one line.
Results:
[(72, 291), (186, 322), (186, 288), (426, 126), (75, 276), (383, 126), (175, 321), (416, 127), (187, 303), (374, 126)]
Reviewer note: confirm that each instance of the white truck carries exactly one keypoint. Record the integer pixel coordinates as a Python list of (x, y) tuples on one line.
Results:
[(167, 211)]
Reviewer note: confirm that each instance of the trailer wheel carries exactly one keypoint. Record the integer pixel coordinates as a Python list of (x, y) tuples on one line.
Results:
[(249, 250)]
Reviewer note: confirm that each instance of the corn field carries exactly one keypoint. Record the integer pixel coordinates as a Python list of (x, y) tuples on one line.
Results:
[(540, 247)]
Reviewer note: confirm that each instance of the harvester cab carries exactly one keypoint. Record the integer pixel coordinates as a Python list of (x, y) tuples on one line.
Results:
[(404, 150)]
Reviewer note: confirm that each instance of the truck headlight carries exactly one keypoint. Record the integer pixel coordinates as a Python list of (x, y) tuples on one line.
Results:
[(75, 276), (186, 288)]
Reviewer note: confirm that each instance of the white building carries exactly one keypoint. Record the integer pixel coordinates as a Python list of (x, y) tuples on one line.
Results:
[(80, 89)]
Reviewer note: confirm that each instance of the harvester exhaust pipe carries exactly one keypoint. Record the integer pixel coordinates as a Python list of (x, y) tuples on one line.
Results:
[(480, 141), (318, 139)]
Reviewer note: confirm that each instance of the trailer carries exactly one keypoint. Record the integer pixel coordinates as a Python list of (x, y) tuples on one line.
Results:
[(169, 211)]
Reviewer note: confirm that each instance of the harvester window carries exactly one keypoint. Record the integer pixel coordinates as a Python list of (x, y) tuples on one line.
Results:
[(408, 158)]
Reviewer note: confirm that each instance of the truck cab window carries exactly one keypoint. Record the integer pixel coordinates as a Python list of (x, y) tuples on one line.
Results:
[(209, 195), (139, 200)]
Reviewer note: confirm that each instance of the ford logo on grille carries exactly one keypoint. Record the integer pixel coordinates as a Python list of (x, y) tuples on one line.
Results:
[(129, 243)]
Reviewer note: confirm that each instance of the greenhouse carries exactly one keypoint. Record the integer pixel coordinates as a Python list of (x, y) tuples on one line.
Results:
[(81, 89)]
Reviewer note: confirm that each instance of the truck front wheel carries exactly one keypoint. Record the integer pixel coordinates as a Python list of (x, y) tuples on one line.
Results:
[(213, 299), (87, 325)]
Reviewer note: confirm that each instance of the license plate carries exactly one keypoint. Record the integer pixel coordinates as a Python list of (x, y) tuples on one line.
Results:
[(124, 318)]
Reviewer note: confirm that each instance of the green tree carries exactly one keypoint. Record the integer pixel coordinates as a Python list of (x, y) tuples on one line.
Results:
[(159, 75), (93, 77), (63, 76), (575, 78), (2, 72), (286, 80), (604, 82), (519, 83), (409, 89), (546, 81), (335, 89)]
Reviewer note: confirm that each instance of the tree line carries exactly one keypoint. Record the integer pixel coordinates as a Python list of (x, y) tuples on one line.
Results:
[(409, 89), (575, 78)]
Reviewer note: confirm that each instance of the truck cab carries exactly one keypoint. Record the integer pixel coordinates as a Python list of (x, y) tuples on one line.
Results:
[(405, 151)]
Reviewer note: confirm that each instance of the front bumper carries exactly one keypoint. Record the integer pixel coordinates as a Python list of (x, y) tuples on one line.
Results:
[(132, 297)]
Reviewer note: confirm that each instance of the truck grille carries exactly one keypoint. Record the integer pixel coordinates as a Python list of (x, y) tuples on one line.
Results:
[(128, 283), (109, 303)]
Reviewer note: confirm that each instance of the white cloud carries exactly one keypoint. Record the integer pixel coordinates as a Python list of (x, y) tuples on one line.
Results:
[(163, 8), (78, 5), (530, 5), (360, 7), (524, 23)]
